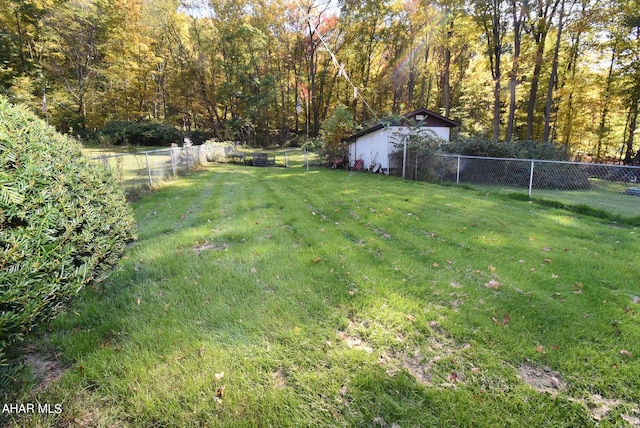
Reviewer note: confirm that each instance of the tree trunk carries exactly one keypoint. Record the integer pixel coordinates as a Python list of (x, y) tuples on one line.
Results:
[(553, 79), (515, 70), (633, 123), (539, 31), (602, 129)]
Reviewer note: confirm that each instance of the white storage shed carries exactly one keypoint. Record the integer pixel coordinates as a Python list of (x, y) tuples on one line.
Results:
[(375, 145)]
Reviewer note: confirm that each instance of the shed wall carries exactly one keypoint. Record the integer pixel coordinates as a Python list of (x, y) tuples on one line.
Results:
[(379, 145)]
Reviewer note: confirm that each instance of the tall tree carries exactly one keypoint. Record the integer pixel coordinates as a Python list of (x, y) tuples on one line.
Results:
[(630, 75), (553, 79), (518, 13), (539, 22), (75, 36), (491, 16)]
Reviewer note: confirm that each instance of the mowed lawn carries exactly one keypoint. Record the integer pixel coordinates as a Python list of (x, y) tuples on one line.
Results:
[(287, 297)]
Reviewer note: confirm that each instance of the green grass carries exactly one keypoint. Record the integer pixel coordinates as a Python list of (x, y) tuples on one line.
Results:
[(281, 297), (605, 196)]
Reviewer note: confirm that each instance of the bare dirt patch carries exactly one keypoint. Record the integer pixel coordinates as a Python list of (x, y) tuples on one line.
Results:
[(279, 379), (599, 407), (46, 370), (354, 342), (545, 380), (209, 246), (541, 379)]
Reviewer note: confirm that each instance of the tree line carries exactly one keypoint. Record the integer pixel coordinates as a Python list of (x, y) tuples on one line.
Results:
[(271, 72)]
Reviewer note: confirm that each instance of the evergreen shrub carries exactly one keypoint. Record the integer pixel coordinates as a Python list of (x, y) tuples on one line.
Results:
[(139, 134), (64, 222)]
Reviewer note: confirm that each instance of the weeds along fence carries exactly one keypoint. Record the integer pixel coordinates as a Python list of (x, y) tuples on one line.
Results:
[(614, 189), (141, 170)]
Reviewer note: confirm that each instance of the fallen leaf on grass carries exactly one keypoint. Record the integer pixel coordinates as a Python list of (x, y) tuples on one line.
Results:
[(219, 393), (547, 261), (139, 301), (316, 260), (218, 376), (626, 353), (491, 268), (540, 349), (492, 284), (546, 249), (505, 320)]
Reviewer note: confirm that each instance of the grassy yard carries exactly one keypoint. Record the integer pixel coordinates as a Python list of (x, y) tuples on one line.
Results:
[(281, 297)]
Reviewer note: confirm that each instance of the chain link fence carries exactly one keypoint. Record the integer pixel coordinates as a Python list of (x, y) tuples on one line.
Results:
[(140, 170), (611, 188)]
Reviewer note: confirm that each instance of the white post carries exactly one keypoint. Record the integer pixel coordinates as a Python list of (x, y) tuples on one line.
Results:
[(146, 156), (173, 161), (306, 158), (404, 159), (531, 178), (458, 172)]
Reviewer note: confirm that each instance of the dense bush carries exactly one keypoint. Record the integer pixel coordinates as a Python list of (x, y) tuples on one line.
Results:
[(334, 129), (139, 134), (64, 222), (422, 157), (484, 147)]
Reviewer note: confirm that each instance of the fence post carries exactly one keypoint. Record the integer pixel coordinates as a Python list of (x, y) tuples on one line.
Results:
[(531, 178), (458, 171), (146, 156), (173, 161), (306, 158), (404, 159)]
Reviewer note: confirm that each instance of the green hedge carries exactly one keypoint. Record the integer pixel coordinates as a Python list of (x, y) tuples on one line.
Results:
[(527, 149), (64, 222), (139, 134)]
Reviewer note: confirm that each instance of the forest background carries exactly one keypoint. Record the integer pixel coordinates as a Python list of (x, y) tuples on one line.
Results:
[(269, 72)]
